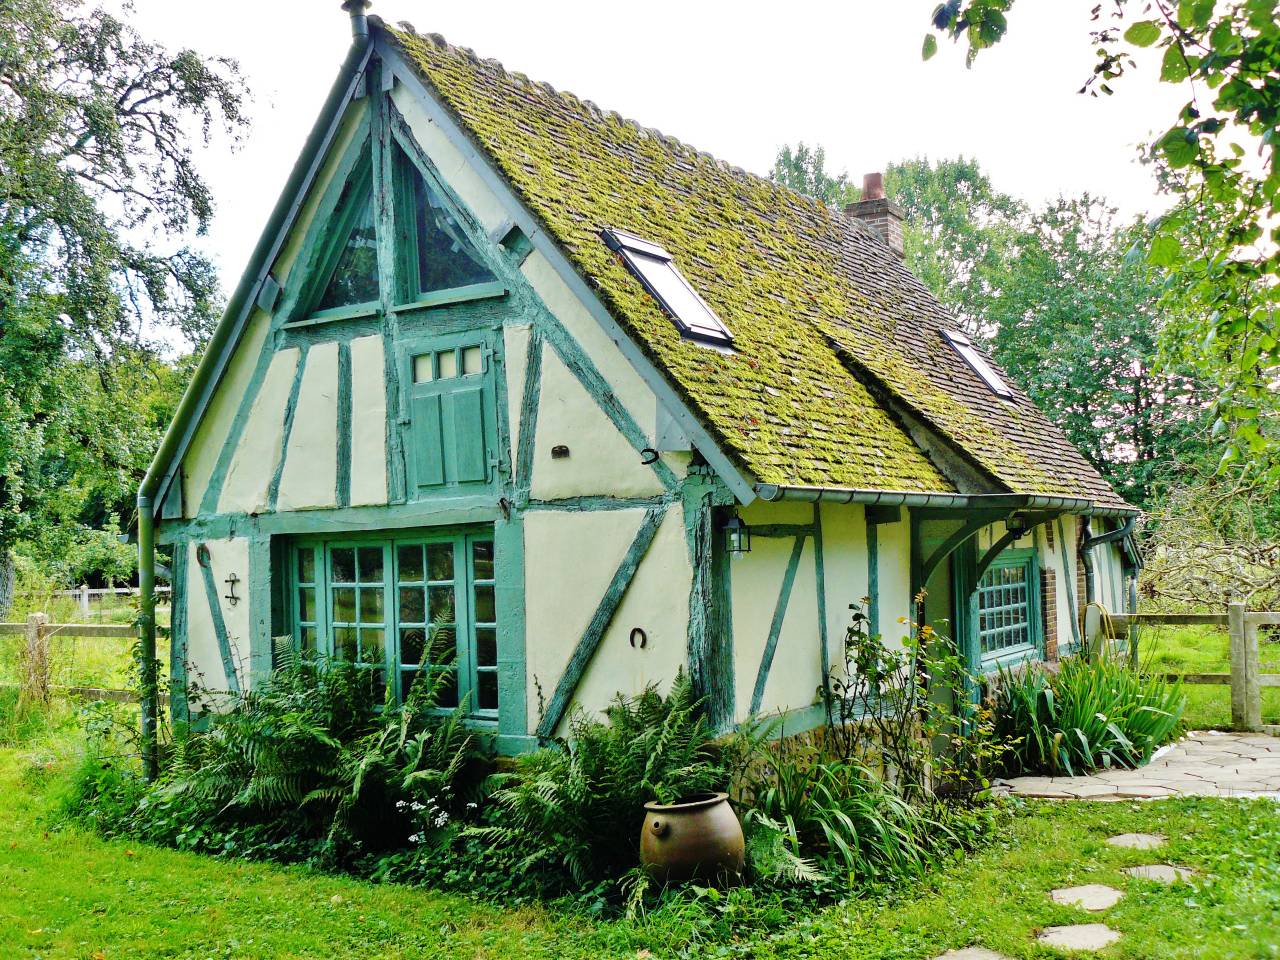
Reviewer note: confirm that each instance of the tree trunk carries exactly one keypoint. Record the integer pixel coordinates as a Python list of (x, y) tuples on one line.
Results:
[(7, 577)]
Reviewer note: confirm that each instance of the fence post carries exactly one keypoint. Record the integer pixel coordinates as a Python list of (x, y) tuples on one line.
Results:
[(1252, 682), (1239, 667), (84, 600), (35, 664)]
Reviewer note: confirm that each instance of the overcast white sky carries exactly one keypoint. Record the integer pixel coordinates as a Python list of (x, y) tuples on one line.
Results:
[(736, 79)]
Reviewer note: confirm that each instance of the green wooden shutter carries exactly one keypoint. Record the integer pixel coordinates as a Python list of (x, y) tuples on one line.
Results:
[(470, 451), (428, 440)]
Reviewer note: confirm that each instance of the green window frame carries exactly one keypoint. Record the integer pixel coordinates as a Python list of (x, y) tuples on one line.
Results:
[(1007, 610), (409, 604)]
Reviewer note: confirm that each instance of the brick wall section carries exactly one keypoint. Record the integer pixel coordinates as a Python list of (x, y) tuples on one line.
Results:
[(1049, 606)]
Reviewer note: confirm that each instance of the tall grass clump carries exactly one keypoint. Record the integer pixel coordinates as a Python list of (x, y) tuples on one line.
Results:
[(1092, 713)]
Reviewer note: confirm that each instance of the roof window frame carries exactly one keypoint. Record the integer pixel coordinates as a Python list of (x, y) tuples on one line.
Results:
[(978, 364), (630, 248)]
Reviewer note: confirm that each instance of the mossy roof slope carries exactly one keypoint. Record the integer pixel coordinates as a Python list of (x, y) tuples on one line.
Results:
[(824, 317)]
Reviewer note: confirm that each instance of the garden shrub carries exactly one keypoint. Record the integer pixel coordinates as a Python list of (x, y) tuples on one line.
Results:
[(313, 765), (572, 813), (1089, 714)]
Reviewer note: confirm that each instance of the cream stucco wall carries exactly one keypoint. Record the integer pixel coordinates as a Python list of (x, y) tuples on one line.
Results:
[(657, 602), (844, 553), (204, 659), (570, 559), (253, 466), (600, 461), (756, 580), (894, 566), (310, 474), (625, 383), (215, 425), (368, 422)]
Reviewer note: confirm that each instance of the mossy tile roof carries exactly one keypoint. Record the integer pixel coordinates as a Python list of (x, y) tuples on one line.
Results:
[(826, 321)]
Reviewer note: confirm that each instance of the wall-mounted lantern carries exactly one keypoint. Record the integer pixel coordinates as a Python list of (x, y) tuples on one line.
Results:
[(737, 537)]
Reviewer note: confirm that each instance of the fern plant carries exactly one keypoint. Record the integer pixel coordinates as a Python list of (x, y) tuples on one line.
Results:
[(574, 811)]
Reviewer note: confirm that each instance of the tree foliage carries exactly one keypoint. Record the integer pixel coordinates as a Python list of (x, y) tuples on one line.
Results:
[(98, 189), (1217, 159)]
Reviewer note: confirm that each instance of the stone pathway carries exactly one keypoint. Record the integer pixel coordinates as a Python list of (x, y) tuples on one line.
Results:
[(1092, 898), (1202, 764)]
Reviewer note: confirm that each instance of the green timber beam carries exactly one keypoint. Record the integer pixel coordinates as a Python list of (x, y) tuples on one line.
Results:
[(775, 625), (599, 624), (970, 526), (219, 624)]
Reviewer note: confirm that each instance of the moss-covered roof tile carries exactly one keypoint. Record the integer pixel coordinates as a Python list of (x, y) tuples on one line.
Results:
[(824, 317)]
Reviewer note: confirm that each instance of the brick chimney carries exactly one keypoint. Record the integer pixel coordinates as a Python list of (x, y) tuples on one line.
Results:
[(879, 212)]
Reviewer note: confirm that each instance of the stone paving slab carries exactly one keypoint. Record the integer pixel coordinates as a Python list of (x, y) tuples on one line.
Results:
[(1161, 873), (1137, 841), (1207, 763), (1080, 936), (972, 953), (1093, 897)]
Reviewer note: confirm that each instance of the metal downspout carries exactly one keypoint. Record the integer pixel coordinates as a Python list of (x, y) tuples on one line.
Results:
[(1085, 549), (205, 375)]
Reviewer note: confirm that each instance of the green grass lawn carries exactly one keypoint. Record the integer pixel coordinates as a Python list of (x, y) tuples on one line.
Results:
[(1205, 650), (65, 893)]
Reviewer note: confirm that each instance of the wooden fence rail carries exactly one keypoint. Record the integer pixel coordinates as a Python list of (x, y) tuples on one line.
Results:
[(1245, 679), (33, 662)]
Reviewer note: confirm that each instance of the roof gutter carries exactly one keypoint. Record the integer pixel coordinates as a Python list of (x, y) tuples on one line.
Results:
[(951, 501), (209, 371)]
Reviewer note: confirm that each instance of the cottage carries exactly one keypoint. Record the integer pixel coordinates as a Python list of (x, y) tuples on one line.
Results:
[(518, 390)]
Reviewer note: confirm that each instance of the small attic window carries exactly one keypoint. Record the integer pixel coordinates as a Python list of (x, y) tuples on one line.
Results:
[(652, 265), (979, 364)]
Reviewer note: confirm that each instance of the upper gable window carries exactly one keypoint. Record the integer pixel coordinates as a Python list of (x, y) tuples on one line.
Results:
[(438, 255), (971, 356), (652, 265), (355, 276)]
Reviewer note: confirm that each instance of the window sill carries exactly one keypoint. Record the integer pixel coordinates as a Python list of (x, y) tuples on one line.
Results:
[(444, 298), (353, 312), (1014, 656)]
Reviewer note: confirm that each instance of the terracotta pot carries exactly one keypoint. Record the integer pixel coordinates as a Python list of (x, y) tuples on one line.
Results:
[(698, 838)]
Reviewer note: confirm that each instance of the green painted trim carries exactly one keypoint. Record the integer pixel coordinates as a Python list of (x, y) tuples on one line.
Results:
[(290, 411), (819, 569), (600, 620), (179, 709), (529, 400), (591, 504), (220, 628), (734, 477), (260, 600), (345, 415), (444, 298), (775, 626), (355, 311), (789, 723), (1069, 584), (509, 591), (782, 531), (439, 512), (968, 529), (311, 336), (873, 577), (579, 364)]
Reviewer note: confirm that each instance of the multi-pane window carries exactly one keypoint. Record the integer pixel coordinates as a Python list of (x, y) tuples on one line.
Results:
[(1007, 606), (407, 607)]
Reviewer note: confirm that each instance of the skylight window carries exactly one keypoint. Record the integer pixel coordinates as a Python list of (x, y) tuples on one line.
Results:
[(652, 265), (979, 364)]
